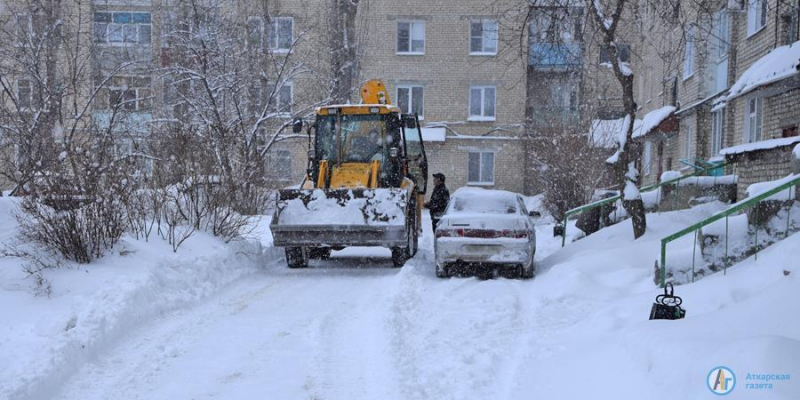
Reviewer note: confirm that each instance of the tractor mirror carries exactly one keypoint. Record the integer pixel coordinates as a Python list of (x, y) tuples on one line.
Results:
[(410, 121), (297, 125)]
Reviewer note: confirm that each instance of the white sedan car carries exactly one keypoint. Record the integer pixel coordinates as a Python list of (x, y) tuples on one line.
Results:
[(483, 231)]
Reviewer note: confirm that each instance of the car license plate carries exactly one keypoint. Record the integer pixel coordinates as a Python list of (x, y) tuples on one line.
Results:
[(481, 248)]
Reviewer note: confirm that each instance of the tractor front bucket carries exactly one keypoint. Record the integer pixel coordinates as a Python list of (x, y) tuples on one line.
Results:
[(341, 217)]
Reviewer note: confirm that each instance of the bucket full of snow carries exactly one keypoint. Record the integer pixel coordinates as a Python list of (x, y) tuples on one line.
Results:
[(667, 305), (341, 217)]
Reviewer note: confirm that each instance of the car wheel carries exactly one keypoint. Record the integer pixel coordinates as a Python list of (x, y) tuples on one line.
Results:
[(442, 272), (297, 257), (528, 273)]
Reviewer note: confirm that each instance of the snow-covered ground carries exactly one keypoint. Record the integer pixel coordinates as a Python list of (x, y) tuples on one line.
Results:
[(353, 327)]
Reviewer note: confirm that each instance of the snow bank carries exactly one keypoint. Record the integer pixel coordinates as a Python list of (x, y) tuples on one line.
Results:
[(43, 341), (761, 145), (796, 152), (776, 65), (708, 181)]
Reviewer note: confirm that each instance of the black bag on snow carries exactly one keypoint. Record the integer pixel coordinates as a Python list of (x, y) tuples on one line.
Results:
[(667, 305)]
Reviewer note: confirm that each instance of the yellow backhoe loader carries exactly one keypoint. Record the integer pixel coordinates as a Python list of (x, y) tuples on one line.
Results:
[(365, 183)]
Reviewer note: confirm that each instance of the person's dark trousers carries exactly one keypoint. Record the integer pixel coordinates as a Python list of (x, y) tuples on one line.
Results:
[(434, 222)]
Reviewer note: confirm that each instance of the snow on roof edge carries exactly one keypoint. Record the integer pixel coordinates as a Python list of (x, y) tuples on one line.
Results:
[(761, 145), (780, 63)]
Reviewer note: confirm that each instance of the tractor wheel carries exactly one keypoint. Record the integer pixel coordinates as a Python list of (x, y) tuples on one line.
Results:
[(443, 272), (297, 257), (321, 253), (399, 256)]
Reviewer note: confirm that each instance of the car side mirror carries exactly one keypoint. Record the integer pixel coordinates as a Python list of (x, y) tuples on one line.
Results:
[(534, 214), (297, 125)]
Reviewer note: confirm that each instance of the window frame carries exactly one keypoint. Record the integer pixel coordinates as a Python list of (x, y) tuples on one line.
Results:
[(689, 54), (261, 33), (410, 51), (121, 43), (687, 144), (274, 25), (276, 109), (753, 120), (756, 18), (480, 154), (29, 97), (482, 23), (717, 131), (622, 49), (19, 28), (410, 87), (482, 116)]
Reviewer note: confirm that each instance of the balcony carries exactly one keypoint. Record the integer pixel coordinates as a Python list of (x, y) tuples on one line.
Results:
[(134, 122), (555, 56), (554, 116)]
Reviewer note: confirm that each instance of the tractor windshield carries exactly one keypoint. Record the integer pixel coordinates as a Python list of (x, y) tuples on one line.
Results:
[(354, 138)]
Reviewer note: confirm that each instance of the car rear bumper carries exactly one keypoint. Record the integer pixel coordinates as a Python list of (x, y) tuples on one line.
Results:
[(483, 251)]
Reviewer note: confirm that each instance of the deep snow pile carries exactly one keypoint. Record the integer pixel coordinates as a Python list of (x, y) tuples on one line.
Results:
[(354, 328), (45, 340)]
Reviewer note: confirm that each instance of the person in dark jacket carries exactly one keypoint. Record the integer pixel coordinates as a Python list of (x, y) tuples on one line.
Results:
[(439, 199)]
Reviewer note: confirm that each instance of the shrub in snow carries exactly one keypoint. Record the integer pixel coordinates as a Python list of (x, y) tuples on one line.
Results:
[(79, 232)]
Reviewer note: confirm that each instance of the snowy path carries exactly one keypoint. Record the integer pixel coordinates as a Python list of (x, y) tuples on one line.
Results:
[(354, 327)]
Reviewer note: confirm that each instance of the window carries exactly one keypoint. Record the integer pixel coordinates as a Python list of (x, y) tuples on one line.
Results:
[(624, 53), (790, 27), (255, 30), (647, 157), (687, 142), (129, 94), (23, 29), (410, 99), (280, 33), (24, 94), (688, 54), (483, 37), (411, 37), (122, 28), (482, 103), (723, 34), (717, 130), (752, 121), (757, 11), (279, 164), (480, 170), (280, 101)]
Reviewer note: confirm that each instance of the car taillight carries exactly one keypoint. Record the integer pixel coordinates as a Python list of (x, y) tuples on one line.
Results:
[(515, 234), (449, 233)]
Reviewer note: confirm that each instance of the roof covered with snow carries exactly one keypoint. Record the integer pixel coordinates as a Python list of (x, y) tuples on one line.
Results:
[(762, 145), (652, 120), (607, 133), (776, 65), (604, 133)]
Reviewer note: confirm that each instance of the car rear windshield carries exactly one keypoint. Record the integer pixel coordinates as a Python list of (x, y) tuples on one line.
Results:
[(484, 205)]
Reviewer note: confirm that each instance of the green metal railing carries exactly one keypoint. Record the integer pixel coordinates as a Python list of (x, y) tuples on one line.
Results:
[(644, 189), (724, 214)]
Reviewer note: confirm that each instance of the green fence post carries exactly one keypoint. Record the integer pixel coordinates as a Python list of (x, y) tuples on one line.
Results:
[(755, 236), (725, 268), (694, 252), (564, 231), (663, 263), (788, 212)]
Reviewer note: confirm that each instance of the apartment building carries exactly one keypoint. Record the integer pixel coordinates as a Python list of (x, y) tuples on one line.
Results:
[(732, 80), (453, 64)]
